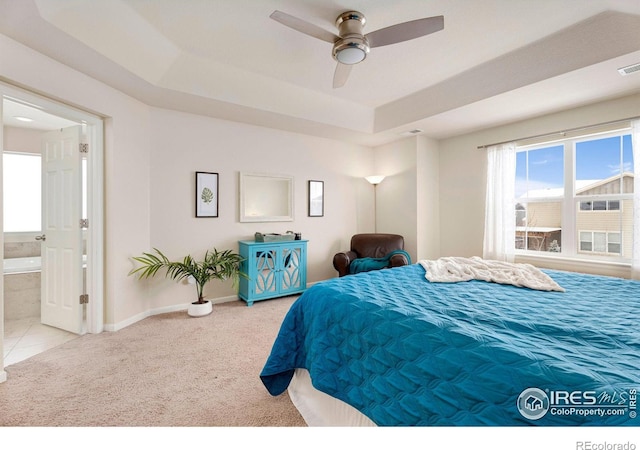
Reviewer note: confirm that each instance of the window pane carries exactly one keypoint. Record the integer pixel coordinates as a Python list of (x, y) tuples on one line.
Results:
[(613, 246), (540, 172), (613, 229), (585, 206), (602, 170), (585, 246), (604, 166), (539, 175), (538, 226), (627, 164), (22, 192), (599, 242), (585, 241)]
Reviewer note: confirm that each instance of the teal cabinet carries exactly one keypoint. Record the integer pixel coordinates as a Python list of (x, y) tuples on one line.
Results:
[(275, 269)]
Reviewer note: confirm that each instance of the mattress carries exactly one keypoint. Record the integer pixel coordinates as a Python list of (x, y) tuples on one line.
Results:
[(319, 409), (405, 351)]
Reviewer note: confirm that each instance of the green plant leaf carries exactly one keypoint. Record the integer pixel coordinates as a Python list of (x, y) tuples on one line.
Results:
[(221, 265), (207, 195)]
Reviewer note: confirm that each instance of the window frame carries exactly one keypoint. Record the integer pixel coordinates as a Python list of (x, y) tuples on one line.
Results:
[(606, 208), (571, 204), (607, 242)]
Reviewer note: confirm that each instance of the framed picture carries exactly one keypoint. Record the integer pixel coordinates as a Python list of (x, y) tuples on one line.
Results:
[(206, 194), (316, 198)]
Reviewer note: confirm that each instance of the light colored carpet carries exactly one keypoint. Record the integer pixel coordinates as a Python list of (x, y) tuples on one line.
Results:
[(167, 370)]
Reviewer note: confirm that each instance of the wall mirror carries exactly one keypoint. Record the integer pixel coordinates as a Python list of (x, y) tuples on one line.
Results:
[(266, 198)]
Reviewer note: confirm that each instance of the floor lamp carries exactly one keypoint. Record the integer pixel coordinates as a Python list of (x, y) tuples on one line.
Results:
[(375, 180)]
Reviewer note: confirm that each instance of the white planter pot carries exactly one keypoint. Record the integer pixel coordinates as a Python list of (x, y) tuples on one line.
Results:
[(200, 309)]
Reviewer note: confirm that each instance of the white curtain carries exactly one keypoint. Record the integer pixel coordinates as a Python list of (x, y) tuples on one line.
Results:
[(635, 140), (500, 216)]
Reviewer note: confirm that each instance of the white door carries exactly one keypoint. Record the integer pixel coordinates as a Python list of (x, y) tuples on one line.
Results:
[(62, 281)]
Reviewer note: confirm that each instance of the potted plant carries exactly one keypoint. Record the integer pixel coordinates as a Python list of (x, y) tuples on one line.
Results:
[(216, 265)]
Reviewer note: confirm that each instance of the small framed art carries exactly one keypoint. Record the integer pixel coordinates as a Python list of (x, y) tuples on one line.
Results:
[(316, 198), (206, 194)]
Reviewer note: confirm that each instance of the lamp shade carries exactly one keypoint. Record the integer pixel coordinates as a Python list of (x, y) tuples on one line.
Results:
[(375, 179)]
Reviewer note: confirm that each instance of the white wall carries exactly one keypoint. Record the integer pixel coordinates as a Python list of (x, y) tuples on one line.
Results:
[(397, 208), (126, 152), (184, 143), (3, 374), (408, 198), (151, 156), (463, 172), (428, 199), (24, 140), (433, 194)]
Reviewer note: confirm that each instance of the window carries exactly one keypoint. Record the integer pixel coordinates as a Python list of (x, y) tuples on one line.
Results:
[(21, 192), (575, 197), (602, 205), (600, 242)]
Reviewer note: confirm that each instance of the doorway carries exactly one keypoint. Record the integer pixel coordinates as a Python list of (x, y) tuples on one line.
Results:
[(78, 299)]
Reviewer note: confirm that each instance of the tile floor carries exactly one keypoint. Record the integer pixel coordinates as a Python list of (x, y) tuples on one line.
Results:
[(25, 338)]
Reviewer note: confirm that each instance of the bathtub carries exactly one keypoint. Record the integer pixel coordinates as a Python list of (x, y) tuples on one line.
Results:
[(22, 287), (22, 265), (27, 264)]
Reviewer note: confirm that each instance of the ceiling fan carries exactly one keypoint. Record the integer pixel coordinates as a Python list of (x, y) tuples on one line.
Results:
[(350, 46)]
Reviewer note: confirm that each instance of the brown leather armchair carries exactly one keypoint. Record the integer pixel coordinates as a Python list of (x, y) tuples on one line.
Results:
[(371, 245)]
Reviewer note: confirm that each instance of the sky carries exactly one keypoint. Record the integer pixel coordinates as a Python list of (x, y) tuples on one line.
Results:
[(596, 159)]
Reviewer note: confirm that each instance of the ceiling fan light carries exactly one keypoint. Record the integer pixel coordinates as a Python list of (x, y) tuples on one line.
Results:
[(350, 55), (350, 51)]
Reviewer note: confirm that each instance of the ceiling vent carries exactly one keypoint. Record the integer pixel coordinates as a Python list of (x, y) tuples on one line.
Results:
[(411, 132), (629, 69)]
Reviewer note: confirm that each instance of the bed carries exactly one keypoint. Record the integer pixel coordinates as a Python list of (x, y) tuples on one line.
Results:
[(391, 348)]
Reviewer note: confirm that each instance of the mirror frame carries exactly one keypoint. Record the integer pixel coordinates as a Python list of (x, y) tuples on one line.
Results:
[(246, 196)]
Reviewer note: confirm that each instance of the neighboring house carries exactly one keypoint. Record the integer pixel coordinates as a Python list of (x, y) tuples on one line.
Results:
[(603, 226)]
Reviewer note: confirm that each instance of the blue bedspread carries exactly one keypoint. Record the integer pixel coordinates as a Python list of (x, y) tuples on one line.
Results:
[(405, 351)]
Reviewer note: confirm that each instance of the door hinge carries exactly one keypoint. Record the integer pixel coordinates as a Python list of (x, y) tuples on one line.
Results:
[(84, 147), (84, 299), (84, 223)]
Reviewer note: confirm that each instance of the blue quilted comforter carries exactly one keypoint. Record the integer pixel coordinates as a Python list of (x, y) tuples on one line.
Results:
[(405, 351)]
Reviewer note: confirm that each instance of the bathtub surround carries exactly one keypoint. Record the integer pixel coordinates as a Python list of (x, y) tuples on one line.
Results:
[(22, 295), (21, 279), (21, 249)]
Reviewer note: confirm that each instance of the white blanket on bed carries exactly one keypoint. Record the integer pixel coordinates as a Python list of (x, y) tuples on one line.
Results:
[(454, 269)]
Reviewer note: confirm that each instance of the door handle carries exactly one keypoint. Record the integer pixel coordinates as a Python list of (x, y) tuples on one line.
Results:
[(41, 238)]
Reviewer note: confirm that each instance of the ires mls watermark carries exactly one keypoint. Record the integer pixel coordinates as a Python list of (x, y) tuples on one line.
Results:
[(534, 403)]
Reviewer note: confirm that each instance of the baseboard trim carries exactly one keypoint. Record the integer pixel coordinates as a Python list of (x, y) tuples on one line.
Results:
[(163, 310)]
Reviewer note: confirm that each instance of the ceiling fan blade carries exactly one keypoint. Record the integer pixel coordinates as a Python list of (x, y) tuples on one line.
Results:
[(304, 27), (405, 31), (341, 75)]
